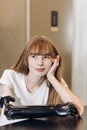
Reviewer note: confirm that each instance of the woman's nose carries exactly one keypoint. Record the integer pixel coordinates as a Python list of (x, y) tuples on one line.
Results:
[(40, 61)]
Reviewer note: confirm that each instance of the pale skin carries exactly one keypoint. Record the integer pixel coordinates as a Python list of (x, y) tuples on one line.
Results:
[(41, 66)]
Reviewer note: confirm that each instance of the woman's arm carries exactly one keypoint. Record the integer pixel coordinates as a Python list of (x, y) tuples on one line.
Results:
[(63, 90), (6, 90)]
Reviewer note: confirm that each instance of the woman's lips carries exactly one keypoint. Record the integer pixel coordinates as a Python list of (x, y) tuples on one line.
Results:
[(40, 69)]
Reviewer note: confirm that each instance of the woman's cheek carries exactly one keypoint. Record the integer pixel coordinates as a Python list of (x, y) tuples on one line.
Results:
[(49, 67)]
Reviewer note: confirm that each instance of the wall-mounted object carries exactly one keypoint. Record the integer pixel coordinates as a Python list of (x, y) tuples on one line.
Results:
[(54, 21)]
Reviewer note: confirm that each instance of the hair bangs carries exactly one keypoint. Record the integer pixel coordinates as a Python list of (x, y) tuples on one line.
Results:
[(40, 49)]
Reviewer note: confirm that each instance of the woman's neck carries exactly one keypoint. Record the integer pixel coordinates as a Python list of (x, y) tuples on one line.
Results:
[(33, 82)]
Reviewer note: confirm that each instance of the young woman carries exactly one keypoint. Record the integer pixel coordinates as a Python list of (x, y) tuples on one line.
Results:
[(36, 78)]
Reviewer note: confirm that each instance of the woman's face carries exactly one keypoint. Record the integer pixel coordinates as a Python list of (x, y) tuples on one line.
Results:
[(39, 65)]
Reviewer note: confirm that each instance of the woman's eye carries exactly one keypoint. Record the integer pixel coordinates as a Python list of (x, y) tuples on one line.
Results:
[(33, 56), (46, 57)]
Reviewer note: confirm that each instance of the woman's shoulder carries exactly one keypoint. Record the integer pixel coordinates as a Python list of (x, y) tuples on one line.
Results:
[(11, 72)]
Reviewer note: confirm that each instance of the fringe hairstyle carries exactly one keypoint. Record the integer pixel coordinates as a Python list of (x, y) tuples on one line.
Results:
[(39, 45)]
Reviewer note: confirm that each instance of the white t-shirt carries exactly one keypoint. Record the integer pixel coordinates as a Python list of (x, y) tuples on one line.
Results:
[(16, 81)]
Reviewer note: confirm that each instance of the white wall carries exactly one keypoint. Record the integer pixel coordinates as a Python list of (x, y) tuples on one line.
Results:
[(79, 61)]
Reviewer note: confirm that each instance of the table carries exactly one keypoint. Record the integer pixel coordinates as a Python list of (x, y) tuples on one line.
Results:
[(52, 123)]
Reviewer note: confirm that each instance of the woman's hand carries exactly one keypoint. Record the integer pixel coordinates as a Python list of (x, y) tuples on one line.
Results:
[(52, 70)]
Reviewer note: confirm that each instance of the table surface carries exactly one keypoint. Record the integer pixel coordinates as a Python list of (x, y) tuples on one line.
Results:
[(52, 123)]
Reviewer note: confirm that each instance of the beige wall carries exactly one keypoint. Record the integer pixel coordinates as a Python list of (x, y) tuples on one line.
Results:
[(13, 34), (40, 24), (12, 31)]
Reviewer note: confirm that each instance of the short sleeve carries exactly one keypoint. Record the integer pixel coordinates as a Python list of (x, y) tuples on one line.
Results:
[(6, 78)]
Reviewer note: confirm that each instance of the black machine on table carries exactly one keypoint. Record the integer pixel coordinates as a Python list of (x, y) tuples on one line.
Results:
[(21, 112)]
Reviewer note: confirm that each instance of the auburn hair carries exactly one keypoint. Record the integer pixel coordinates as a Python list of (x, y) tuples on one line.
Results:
[(38, 45)]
